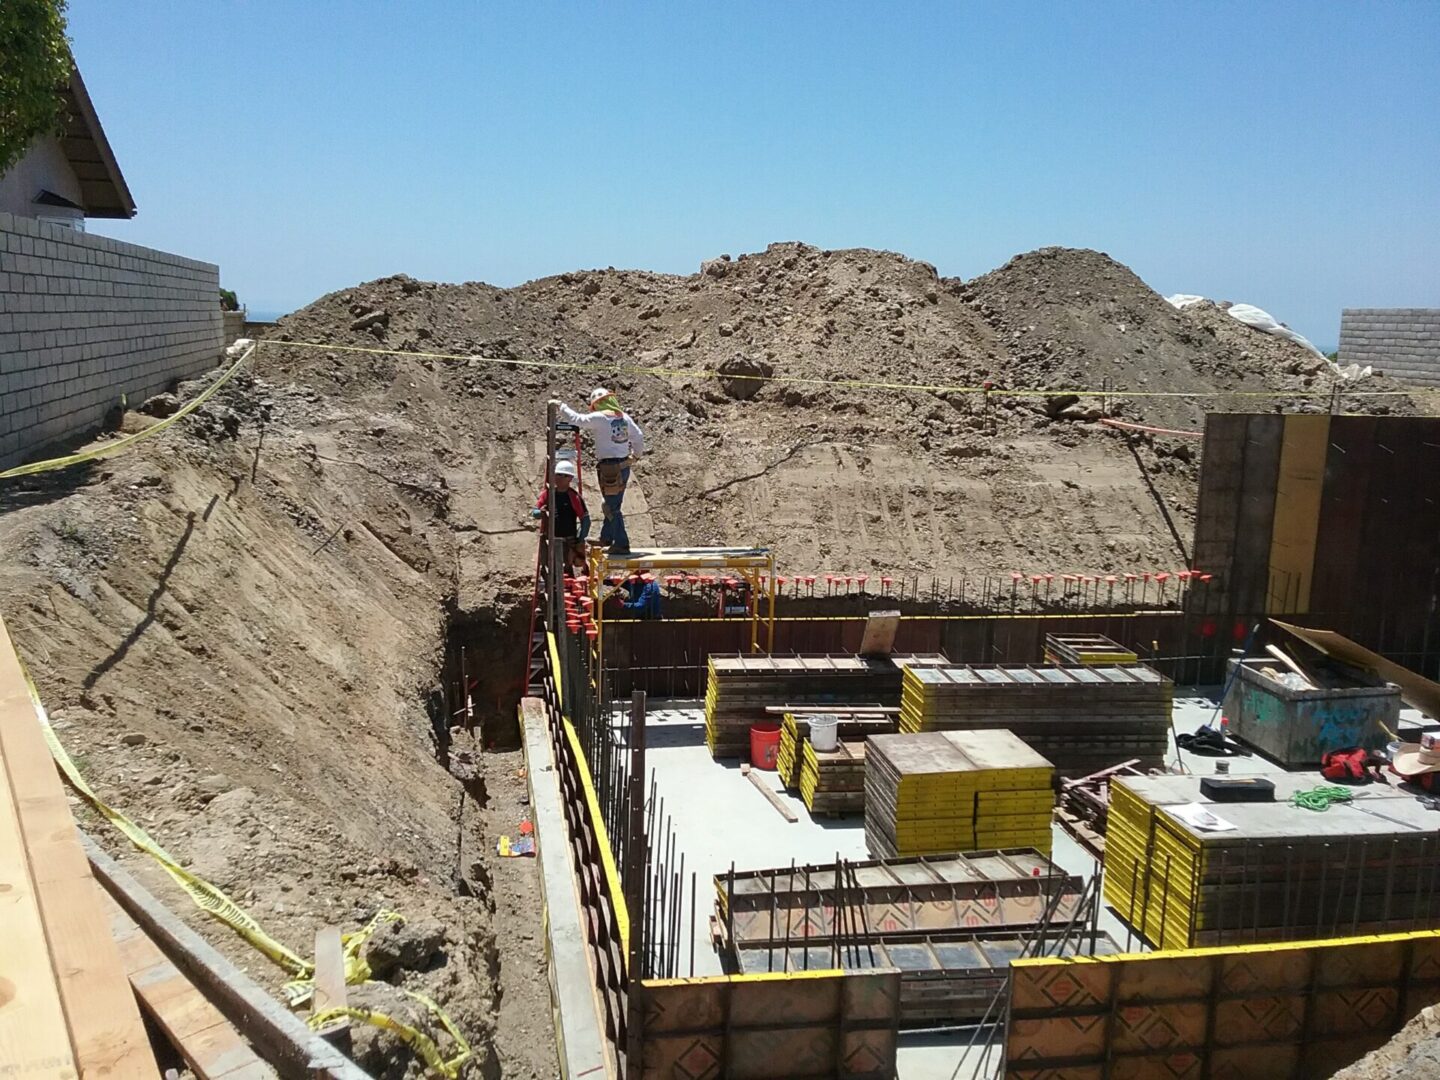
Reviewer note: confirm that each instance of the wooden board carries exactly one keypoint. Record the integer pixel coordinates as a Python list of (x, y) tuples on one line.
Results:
[(34, 1040), (207, 1041), (106, 1033), (880, 630), (1415, 690), (1348, 468)]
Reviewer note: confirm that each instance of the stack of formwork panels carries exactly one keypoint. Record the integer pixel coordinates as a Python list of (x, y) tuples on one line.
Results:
[(1083, 718), (833, 781), (795, 735), (1268, 871), (1092, 650), (944, 791), (740, 688)]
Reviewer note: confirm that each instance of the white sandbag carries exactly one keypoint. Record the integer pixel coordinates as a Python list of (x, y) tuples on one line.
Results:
[(1180, 301)]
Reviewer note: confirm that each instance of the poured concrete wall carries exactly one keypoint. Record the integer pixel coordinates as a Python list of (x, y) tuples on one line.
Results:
[(85, 320)]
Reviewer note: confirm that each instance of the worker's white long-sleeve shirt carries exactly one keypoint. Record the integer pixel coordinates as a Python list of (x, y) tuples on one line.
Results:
[(615, 436)]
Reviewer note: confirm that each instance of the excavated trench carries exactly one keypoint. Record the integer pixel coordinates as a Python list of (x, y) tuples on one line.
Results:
[(241, 642)]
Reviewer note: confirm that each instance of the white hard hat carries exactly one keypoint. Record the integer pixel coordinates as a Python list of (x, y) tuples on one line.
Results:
[(565, 467), (598, 393)]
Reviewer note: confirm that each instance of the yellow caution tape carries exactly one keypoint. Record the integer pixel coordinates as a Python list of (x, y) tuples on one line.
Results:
[(852, 384), (412, 1037), (121, 445), (214, 902)]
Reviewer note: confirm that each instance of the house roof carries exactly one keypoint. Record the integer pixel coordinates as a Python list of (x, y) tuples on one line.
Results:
[(102, 185)]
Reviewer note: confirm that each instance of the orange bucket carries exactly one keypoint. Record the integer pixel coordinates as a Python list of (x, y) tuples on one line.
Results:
[(764, 745)]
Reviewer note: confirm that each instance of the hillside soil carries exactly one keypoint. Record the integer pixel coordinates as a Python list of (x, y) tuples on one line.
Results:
[(237, 625)]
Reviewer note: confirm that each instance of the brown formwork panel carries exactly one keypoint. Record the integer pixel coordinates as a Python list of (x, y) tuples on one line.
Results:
[(770, 1027), (1256, 517), (1218, 504), (1299, 485), (1295, 1010), (1348, 469)]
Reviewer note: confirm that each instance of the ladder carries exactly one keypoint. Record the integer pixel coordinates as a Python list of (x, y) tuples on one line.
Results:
[(536, 659)]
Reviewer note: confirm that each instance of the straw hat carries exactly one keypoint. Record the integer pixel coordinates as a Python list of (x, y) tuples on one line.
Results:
[(1417, 759)]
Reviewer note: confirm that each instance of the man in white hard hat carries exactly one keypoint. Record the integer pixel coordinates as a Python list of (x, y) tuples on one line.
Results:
[(618, 442)]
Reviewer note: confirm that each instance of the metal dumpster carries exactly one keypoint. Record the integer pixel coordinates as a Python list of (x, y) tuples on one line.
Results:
[(1296, 727)]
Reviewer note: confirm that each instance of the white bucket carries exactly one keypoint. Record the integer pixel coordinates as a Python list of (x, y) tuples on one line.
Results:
[(824, 732)]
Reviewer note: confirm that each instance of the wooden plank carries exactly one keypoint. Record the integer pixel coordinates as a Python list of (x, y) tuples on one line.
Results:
[(330, 990), (107, 1035), (34, 1040), (1298, 490), (207, 1041), (769, 793), (279, 1034), (880, 630)]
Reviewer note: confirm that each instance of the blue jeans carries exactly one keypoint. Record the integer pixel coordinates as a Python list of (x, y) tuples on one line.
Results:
[(612, 530)]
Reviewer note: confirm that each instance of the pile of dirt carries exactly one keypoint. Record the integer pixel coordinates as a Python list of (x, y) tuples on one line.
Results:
[(238, 624)]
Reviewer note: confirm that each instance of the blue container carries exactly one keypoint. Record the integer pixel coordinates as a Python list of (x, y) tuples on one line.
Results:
[(1297, 727)]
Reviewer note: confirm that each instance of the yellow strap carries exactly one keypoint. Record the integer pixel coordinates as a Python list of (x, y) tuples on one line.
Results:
[(121, 445), (412, 1037), (214, 902)]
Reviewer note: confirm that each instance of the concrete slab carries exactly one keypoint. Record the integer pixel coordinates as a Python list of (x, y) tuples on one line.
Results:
[(720, 820)]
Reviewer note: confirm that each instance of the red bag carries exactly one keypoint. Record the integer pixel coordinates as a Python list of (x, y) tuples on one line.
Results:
[(1347, 764)]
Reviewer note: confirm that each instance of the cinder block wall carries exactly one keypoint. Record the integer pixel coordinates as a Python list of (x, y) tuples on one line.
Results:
[(85, 319), (1404, 343)]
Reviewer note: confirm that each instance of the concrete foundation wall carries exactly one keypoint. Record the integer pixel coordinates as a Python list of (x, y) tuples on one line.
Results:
[(84, 320), (1404, 343)]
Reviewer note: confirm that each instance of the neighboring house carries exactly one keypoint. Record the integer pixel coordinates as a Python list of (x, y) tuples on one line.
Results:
[(66, 178), (88, 325), (1403, 343)]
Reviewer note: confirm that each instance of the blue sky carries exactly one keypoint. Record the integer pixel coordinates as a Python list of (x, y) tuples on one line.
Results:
[(1283, 154)]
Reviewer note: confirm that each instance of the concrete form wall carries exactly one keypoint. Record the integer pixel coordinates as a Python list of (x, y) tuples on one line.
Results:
[(85, 319), (1298, 1009), (1404, 343)]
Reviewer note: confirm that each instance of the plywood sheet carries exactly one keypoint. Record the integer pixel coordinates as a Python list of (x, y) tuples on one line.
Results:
[(1415, 690)]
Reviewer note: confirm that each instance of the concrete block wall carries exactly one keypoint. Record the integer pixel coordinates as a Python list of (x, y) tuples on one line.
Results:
[(84, 320), (1404, 343)]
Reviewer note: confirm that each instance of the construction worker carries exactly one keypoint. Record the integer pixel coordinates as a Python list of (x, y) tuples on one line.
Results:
[(572, 519), (641, 596), (618, 443)]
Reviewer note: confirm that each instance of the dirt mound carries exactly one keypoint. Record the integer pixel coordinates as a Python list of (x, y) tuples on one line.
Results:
[(1081, 319)]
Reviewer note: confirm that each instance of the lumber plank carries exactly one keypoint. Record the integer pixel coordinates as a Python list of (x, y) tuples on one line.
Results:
[(770, 794), (34, 1040), (207, 1041), (107, 1036)]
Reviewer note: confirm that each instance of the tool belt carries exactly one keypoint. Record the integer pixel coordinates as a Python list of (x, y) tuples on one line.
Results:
[(612, 475)]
